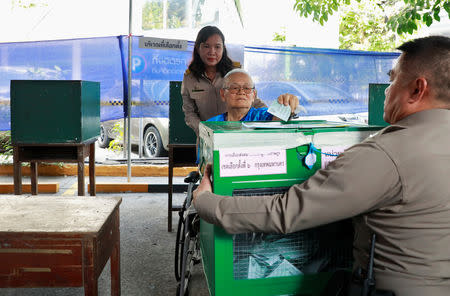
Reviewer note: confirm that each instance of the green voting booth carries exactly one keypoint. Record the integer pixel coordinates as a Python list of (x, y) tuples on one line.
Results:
[(182, 143), (54, 121), (376, 103), (54, 111), (273, 157)]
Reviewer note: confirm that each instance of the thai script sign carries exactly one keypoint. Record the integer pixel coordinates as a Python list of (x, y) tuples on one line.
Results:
[(162, 43), (252, 161)]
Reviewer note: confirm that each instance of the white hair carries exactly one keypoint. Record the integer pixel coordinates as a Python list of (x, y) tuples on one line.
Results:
[(227, 77)]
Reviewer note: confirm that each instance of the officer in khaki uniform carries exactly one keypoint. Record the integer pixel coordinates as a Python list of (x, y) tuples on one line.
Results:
[(396, 184)]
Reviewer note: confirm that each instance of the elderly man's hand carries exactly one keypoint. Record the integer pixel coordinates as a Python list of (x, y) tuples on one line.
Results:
[(289, 100), (205, 184)]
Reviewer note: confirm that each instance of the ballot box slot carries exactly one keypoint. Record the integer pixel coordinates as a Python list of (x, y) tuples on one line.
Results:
[(259, 191)]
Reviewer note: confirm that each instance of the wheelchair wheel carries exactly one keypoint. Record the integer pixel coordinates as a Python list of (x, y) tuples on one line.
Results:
[(186, 293), (186, 266), (179, 243)]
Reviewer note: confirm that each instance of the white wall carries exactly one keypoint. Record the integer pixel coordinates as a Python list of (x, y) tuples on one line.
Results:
[(63, 19)]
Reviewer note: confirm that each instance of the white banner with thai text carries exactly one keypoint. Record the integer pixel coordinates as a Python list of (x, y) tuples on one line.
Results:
[(162, 43), (252, 162)]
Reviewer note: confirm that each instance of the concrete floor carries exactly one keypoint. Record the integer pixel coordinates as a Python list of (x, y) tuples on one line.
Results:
[(147, 249)]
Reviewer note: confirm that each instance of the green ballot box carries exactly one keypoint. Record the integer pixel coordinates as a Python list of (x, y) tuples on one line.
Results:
[(260, 158)]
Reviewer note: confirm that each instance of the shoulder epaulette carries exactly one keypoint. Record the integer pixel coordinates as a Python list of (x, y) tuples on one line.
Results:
[(236, 65)]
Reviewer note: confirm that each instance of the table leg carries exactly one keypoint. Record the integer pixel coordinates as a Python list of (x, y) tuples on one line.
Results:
[(34, 177), (92, 189), (90, 281), (170, 191), (115, 260), (17, 171), (80, 157)]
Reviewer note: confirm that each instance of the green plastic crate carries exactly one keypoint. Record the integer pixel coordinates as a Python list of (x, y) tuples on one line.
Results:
[(54, 111), (228, 267)]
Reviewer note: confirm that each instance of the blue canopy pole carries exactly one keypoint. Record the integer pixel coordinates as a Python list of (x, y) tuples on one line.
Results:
[(128, 125)]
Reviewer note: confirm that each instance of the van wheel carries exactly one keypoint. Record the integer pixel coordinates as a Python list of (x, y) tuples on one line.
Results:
[(103, 139), (153, 146)]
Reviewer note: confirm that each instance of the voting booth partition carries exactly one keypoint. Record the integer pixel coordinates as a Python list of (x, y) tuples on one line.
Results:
[(182, 143), (273, 157), (376, 103)]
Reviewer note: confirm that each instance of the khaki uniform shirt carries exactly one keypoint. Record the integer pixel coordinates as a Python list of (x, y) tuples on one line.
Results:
[(201, 99), (395, 184)]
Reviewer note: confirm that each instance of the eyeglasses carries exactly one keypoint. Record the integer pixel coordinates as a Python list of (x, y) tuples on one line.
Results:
[(234, 89)]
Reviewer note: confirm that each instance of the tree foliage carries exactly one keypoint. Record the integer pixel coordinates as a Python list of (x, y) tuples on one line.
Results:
[(28, 3), (152, 14), (363, 27), (402, 17), (281, 37)]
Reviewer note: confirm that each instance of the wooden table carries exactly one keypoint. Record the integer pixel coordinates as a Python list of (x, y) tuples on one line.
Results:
[(60, 152), (180, 155), (58, 241)]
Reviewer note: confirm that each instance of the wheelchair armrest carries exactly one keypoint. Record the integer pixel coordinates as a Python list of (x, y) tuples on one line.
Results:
[(192, 177)]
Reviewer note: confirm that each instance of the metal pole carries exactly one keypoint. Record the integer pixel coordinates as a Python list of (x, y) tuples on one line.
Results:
[(141, 120), (130, 39), (141, 129), (164, 14)]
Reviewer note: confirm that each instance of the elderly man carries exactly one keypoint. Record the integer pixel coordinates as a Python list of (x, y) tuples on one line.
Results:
[(238, 92), (395, 184)]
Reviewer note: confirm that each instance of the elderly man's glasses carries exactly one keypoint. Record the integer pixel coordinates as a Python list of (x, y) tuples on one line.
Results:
[(234, 89)]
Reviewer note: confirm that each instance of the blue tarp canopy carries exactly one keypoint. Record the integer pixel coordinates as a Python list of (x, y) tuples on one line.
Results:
[(326, 81)]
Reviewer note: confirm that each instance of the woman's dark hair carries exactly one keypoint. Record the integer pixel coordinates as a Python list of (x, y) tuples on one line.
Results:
[(197, 67)]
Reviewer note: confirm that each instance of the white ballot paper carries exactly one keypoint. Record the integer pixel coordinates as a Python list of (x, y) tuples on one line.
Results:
[(281, 111)]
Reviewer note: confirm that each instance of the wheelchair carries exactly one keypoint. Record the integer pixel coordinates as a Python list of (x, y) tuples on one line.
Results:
[(187, 245)]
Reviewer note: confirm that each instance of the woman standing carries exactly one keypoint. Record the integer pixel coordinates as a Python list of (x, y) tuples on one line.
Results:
[(203, 79)]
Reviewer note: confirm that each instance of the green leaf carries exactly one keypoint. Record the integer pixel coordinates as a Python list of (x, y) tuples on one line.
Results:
[(410, 29), (436, 13), (447, 7), (437, 10), (429, 20), (436, 4), (308, 8)]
